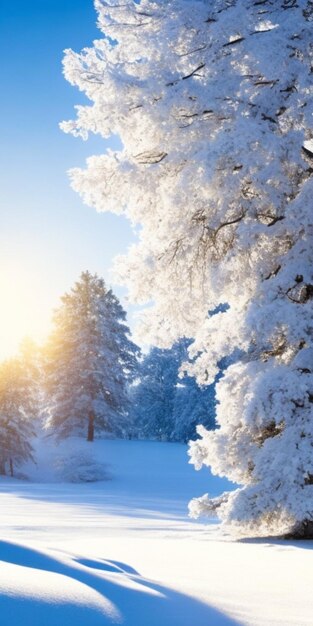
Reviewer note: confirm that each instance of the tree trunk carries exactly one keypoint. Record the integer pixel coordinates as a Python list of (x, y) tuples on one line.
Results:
[(91, 426), (2, 468), (11, 467)]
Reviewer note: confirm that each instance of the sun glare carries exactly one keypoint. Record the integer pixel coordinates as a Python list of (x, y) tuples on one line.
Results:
[(24, 310)]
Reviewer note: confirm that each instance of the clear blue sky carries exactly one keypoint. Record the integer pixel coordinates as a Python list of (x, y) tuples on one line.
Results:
[(47, 236)]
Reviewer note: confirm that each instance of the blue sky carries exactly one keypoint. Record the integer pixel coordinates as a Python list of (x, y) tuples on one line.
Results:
[(47, 236)]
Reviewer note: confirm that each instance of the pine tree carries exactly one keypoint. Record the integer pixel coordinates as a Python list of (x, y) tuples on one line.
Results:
[(194, 405), (167, 404), (89, 361), (18, 409), (212, 103), (153, 395)]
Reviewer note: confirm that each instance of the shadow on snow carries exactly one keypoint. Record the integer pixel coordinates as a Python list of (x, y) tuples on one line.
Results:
[(122, 595)]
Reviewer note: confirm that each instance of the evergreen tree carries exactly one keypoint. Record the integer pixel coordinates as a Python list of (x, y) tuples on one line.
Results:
[(18, 408), (212, 103), (30, 356), (193, 405), (167, 405), (153, 397), (89, 362)]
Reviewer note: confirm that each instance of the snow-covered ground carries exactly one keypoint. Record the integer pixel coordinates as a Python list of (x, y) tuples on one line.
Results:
[(123, 551)]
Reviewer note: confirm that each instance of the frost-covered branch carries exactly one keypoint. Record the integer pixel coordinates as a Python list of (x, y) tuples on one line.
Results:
[(216, 168)]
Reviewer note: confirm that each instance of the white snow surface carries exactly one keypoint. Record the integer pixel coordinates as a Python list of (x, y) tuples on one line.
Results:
[(123, 551)]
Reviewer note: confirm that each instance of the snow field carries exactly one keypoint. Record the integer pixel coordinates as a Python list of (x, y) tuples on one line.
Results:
[(123, 551)]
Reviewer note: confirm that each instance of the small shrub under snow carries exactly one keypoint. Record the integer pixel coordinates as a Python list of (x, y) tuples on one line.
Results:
[(80, 467)]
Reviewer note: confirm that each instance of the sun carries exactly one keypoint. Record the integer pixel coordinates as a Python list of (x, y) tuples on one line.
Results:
[(25, 307)]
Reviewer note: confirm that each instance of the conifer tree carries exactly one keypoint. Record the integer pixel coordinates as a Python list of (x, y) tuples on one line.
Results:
[(194, 405), (153, 397), (18, 409), (89, 361), (167, 404)]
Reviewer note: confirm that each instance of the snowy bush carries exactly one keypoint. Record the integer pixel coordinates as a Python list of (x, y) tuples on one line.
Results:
[(80, 467)]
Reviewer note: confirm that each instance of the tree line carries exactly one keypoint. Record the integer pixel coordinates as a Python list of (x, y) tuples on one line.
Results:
[(90, 379)]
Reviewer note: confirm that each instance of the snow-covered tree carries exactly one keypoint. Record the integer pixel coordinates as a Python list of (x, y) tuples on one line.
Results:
[(89, 361), (31, 358), (213, 103), (166, 404), (193, 405), (154, 394), (18, 409)]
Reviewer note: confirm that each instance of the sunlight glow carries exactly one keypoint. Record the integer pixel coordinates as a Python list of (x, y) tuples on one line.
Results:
[(25, 307)]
